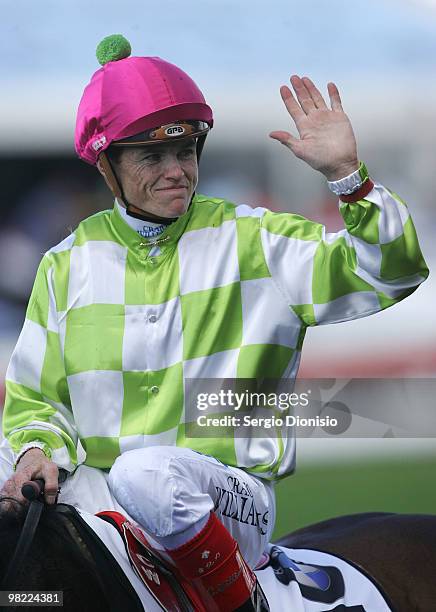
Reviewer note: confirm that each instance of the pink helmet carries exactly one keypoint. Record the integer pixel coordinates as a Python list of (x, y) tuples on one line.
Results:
[(131, 96)]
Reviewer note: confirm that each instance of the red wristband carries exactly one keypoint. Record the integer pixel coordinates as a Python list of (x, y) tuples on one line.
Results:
[(359, 194)]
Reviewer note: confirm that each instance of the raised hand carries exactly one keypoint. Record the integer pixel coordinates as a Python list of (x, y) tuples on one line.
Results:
[(327, 141)]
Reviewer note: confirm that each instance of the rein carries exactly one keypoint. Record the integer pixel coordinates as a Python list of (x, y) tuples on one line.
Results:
[(24, 542), (32, 491), (109, 575)]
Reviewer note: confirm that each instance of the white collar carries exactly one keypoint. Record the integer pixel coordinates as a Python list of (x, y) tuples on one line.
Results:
[(147, 229)]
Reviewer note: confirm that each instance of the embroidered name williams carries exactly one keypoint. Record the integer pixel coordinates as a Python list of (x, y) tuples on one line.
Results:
[(237, 503), (150, 231)]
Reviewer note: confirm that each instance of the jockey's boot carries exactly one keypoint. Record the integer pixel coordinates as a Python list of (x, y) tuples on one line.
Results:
[(211, 561)]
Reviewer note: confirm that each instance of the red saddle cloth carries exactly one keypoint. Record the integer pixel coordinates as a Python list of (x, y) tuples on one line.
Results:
[(163, 581)]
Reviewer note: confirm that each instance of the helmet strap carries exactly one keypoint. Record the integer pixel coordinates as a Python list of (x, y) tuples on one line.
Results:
[(200, 144), (110, 176), (133, 211), (117, 190)]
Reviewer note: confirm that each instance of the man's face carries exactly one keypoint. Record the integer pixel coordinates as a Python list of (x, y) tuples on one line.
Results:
[(159, 178)]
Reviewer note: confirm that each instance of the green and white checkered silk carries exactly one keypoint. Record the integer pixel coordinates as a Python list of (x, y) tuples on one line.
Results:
[(116, 323)]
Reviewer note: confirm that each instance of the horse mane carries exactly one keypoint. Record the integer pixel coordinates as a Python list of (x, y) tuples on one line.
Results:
[(56, 560)]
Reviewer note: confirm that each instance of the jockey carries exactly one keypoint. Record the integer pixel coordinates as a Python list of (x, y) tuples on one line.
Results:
[(171, 286)]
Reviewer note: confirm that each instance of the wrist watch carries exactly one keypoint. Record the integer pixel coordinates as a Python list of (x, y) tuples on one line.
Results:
[(351, 183)]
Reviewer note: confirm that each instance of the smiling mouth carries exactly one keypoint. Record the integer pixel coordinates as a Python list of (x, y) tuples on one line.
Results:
[(172, 188)]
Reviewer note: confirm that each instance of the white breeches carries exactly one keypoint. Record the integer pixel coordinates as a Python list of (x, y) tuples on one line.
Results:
[(168, 489)]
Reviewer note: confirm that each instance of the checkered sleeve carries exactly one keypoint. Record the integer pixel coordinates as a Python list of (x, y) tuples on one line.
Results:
[(370, 265), (37, 410)]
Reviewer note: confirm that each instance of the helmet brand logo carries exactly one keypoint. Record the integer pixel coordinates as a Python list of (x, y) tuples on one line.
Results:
[(175, 130), (99, 143)]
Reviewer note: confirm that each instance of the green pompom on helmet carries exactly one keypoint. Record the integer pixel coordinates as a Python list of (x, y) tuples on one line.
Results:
[(112, 48)]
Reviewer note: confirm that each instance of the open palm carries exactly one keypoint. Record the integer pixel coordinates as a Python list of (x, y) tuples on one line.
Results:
[(327, 141)]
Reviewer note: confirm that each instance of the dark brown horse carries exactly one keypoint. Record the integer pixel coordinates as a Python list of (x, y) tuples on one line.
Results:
[(397, 551)]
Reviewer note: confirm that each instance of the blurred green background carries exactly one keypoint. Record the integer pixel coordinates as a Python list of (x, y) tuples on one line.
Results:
[(318, 492)]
